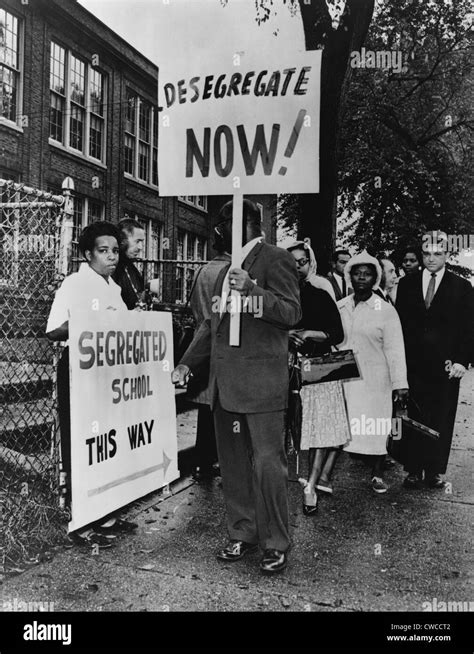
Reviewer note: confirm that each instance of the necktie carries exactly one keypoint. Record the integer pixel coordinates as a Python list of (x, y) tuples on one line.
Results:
[(344, 287), (431, 291)]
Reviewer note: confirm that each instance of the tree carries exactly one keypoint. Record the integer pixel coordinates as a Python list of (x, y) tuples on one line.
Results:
[(337, 27), (406, 137)]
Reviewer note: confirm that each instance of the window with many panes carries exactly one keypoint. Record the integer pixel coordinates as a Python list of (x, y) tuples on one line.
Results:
[(141, 139), (77, 104), (86, 211), (10, 67), (199, 201), (189, 247)]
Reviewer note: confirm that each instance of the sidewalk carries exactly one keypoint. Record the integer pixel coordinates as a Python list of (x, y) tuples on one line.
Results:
[(361, 552)]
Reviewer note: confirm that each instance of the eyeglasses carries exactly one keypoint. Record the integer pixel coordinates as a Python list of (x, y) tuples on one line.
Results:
[(301, 262)]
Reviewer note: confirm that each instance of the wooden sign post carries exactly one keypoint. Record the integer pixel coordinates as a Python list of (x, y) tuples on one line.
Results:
[(237, 220)]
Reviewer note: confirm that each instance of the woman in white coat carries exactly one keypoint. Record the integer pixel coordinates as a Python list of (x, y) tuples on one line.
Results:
[(373, 331)]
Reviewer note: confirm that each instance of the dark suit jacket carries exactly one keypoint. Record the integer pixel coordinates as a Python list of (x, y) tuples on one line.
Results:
[(253, 377), (387, 298), (335, 285), (442, 332), (130, 281)]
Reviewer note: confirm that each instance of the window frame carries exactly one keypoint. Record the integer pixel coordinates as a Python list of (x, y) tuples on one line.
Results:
[(19, 74), (182, 266), (193, 201), (85, 200), (86, 108), (139, 104)]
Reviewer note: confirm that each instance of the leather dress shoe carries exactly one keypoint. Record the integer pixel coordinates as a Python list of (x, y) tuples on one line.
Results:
[(273, 561), (235, 550), (206, 473), (120, 526), (412, 482), (435, 481), (388, 464)]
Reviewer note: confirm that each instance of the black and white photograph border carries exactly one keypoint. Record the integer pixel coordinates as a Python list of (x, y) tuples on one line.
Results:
[(87, 97)]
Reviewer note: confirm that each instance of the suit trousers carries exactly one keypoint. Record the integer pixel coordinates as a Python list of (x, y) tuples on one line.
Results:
[(206, 452), (437, 400), (254, 472)]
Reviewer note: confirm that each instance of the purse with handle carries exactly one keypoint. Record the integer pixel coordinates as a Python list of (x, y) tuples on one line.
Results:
[(410, 442), (340, 365)]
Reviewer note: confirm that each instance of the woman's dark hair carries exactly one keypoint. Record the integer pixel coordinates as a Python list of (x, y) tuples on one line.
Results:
[(414, 249), (93, 231), (401, 253)]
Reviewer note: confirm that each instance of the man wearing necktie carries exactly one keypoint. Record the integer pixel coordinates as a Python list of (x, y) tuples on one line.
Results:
[(336, 276), (436, 309), (248, 388)]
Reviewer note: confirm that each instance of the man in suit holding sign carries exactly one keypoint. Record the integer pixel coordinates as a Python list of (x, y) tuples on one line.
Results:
[(249, 389)]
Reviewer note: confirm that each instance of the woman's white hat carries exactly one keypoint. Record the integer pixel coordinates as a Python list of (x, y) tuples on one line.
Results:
[(360, 259)]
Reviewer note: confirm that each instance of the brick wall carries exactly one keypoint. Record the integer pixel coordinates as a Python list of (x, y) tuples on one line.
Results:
[(28, 156)]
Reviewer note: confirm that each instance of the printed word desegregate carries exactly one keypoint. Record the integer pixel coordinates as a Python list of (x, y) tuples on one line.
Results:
[(262, 84)]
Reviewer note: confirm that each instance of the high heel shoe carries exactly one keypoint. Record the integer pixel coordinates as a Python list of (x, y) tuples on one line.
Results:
[(310, 499)]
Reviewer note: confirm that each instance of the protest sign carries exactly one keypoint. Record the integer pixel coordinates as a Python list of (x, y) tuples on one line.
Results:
[(123, 421), (239, 123)]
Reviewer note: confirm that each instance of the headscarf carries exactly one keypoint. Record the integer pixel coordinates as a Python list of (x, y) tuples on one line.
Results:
[(312, 278), (363, 258)]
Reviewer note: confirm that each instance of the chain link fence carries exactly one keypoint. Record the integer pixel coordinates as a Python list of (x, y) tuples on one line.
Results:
[(32, 265), (36, 253)]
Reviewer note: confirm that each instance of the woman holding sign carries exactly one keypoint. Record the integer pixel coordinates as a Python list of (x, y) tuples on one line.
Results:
[(92, 287)]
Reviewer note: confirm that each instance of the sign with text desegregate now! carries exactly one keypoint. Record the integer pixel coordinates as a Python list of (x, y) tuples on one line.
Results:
[(123, 419), (239, 122)]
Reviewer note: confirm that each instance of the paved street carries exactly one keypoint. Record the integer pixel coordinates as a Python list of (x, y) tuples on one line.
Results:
[(361, 552)]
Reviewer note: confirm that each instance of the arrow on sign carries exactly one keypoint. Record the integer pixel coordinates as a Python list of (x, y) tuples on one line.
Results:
[(136, 475)]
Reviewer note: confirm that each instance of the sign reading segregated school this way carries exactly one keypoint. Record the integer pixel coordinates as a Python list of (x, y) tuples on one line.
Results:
[(123, 422), (240, 123)]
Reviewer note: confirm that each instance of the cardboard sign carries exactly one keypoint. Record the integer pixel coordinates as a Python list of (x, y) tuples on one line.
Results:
[(123, 420), (240, 123)]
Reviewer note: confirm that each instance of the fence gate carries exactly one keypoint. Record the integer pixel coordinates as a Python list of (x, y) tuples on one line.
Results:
[(32, 263)]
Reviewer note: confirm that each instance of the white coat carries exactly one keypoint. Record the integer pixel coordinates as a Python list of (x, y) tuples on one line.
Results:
[(373, 331)]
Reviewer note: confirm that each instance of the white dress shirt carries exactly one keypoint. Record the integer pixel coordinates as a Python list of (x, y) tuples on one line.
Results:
[(426, 280), (85, 290)]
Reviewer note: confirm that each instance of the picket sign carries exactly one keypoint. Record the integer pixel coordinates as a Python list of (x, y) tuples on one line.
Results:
[(123, 419), (239, 125)]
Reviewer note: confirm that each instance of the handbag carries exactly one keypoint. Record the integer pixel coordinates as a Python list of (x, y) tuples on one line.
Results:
[(411, 445), (334, 366), (410, 442)]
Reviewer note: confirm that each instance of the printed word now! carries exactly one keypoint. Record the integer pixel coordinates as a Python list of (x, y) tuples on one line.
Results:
[(224, 148)]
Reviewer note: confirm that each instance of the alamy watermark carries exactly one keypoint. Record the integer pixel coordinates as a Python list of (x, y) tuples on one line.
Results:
[(435, 605), (235, 303), (364, 426), (16, 605), (383, 59), (447, 242)]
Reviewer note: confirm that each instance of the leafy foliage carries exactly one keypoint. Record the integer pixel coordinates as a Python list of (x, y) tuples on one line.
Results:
[(406, 137)]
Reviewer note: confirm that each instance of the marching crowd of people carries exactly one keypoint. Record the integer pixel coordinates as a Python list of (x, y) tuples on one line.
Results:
[(411, 334)]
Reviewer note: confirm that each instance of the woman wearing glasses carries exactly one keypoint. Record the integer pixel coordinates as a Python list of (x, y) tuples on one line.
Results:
[(325, 426)]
